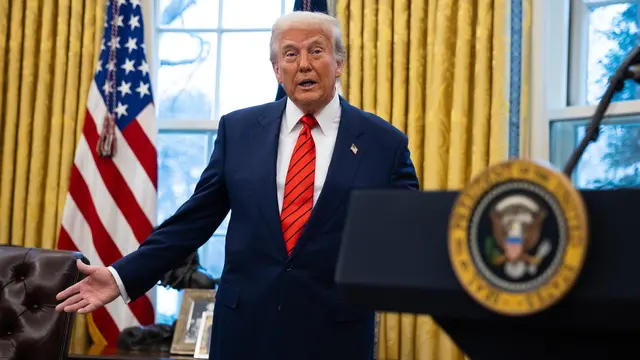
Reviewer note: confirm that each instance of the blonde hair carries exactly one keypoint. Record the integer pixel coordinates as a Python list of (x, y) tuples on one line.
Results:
[(308, 20)]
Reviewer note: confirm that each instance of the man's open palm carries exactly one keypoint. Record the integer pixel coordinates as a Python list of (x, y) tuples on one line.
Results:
[(96, 290)]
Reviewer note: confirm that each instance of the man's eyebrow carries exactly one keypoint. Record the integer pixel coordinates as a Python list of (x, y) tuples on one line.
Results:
[(288, 46), (317, 40)]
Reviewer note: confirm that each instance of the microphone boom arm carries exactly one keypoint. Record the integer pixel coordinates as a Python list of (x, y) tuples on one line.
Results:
[(616, 84)]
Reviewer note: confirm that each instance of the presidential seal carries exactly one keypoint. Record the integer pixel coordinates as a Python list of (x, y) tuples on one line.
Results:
[(518, 237)]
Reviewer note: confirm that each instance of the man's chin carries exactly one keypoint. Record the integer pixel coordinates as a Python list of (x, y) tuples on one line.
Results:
[(307, 98), (309, 104)]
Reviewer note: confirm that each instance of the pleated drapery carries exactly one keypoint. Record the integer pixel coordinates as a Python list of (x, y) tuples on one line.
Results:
[(48, 52), (440, 71)]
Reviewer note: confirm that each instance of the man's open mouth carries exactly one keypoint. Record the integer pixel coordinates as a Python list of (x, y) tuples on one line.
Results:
[(306, 83)]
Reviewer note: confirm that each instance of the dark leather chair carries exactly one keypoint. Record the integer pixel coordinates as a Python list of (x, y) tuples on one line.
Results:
[(30, 327)]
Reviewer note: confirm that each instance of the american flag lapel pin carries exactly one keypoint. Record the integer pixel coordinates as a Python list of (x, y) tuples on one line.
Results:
[(354, 149)]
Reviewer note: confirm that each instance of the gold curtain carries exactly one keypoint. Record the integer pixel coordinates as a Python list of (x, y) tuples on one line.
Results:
[(48, 52), (436, 69)]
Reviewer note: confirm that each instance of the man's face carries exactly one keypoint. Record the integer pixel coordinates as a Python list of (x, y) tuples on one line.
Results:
[(306, 67)]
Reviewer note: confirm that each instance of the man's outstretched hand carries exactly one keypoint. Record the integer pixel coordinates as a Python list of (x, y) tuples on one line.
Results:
[(96, 290)]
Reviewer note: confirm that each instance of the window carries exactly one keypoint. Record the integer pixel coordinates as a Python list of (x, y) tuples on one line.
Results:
[(208, 58), (578, 45)]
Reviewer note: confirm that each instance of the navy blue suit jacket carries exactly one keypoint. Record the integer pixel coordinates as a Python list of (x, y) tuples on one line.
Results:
[(270, 306)]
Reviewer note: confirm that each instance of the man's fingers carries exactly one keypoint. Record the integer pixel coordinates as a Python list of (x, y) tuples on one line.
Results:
[(87, 309), (70, 301), (77, 306), (74, 299), (69, 291)]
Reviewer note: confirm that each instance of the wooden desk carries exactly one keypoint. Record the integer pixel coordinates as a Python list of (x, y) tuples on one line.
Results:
[(115, 354)]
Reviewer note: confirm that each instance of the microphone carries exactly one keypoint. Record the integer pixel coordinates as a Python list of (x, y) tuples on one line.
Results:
[(628, 70)]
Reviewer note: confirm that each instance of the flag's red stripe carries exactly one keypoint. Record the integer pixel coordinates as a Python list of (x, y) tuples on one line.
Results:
[(65, 242), (143, 148), (104, 245), (108, 328), (117, 186)]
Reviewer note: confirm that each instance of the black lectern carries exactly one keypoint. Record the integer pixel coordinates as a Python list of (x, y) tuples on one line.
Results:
[(395, 258), (518, 265)]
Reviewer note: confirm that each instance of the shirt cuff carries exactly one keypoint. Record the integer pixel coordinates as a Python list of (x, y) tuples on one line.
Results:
[(123, 291)]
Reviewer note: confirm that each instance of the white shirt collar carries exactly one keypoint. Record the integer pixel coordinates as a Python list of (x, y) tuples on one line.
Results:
[(325, 117)]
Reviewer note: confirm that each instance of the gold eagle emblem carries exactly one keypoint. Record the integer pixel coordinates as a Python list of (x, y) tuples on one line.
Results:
[(516, 223), (509, 231)]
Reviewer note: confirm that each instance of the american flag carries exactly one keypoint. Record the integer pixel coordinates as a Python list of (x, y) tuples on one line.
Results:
[(111, 203)]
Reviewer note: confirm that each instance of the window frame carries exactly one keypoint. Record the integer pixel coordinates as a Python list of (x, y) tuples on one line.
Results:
[(150, 11), (559, 43)]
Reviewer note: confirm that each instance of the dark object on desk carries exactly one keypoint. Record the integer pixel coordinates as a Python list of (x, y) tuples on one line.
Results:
[(30, 279), (189, 275), (156, 337), (413, 274)]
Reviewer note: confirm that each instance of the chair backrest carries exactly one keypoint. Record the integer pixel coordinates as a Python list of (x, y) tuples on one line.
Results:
[(30, 327)]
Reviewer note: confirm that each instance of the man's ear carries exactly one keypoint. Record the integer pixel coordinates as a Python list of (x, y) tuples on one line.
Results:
[(276, 71), (340, 68)]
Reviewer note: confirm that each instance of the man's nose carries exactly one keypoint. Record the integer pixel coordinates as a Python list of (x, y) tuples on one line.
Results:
[(304, 65)]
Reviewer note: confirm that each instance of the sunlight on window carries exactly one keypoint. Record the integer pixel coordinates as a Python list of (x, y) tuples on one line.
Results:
[(248, 77), (262, 15), (612, 161), (200, 14), (613, 33), (187, 75), (167, 305)]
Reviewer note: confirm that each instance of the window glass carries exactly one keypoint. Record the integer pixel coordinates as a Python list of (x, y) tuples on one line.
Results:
[(250, 14), (186, 75), (612, 34), (247, 78), (200, 14), (612, 161)]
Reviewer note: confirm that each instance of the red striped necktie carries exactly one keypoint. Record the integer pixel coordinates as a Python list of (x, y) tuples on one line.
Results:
[(298, 189)]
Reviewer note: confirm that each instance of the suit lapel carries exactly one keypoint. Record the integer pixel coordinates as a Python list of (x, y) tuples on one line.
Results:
[(345, 160), (264, 141)]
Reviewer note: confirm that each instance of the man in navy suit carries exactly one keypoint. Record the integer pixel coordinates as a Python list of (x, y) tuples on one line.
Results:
[(284, 170)]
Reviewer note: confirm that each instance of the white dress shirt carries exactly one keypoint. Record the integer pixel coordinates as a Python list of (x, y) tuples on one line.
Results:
[(324, 135)]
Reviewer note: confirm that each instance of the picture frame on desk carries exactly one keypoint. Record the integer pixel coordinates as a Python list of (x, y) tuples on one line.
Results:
[(195, 302), (204, 336)]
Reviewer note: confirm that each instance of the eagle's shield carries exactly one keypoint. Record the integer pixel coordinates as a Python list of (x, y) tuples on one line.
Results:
[(513, 247)]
